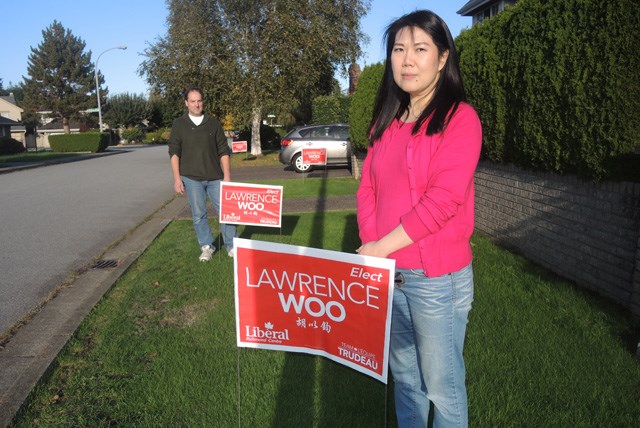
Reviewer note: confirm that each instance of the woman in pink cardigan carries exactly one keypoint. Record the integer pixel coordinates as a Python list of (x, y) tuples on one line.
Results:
[(415, 205)]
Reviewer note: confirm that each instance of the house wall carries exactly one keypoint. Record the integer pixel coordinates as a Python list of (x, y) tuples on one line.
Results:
[(10, 111), (588, 233)]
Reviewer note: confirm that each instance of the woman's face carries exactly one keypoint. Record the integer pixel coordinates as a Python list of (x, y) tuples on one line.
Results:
[(415, 62)]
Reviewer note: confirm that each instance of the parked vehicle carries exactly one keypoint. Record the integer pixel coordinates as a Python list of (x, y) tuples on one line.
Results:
[(333, 137)]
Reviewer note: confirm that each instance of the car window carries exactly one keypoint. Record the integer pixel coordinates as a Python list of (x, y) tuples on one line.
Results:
[(319, 132), (341, 132)]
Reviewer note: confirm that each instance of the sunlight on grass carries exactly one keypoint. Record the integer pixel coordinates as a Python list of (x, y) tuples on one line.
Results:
[(267, 158), (315, 187), (160, 350), (35, 157)]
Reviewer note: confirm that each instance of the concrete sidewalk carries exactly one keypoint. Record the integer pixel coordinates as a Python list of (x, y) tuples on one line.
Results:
[(27, 356)]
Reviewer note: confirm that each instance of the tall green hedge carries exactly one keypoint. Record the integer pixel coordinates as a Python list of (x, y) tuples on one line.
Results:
[(84, 142), (362, 105), (331, 109), (556, 83)]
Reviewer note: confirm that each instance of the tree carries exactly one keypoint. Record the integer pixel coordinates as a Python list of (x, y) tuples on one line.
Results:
[(361, 108), (254, 57), (126, 110), (17, 89), (61, 75)]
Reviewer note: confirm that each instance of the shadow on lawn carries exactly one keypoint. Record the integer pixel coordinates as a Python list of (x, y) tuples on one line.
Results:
[(289, 224), (298, 373)]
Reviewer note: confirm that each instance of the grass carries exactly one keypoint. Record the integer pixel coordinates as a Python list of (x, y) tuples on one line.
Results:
[(35, 157), (159, 350), (267, 158), (313, 188)]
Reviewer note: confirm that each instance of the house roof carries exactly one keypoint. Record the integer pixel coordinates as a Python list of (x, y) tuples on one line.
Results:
[(4, 121), (9, 98), (6, 99), (472, 7)]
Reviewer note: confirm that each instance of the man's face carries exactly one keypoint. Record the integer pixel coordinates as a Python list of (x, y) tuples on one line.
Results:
[(194, 103)]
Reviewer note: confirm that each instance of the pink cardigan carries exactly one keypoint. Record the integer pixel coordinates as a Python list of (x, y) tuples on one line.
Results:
[(424, 183)]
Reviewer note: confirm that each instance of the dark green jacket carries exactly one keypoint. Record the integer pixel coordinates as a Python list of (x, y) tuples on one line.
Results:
[(198, 147)]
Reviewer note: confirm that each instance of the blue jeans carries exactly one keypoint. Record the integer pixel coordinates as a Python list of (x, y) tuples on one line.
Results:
[(197, 192), (428, 326)]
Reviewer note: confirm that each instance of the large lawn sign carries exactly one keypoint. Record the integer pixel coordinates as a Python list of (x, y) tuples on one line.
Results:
[(320, 302)]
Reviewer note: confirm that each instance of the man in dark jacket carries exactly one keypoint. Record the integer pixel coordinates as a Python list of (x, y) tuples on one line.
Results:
[(200, 162)]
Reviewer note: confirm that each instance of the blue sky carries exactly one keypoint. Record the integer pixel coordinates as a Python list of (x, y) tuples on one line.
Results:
[(136, 23)]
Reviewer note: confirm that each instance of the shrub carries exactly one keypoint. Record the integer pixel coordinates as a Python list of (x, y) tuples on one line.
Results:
[(361, 109), (331, 109), (161, 136), (132, 134), (84, 142), (556, 83), (9, 146)]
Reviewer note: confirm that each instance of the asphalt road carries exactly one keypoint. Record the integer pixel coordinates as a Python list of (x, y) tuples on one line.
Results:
[(54, 220)]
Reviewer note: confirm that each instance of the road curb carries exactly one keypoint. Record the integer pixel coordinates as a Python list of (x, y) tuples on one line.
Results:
[(28, 356)]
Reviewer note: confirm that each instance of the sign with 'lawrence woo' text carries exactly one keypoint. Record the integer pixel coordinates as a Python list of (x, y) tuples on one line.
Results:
[(320, 302), (238, 146), (314, 156), (253, 204)]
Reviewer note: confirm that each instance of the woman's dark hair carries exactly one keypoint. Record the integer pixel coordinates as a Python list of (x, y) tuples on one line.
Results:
[(391, 101)]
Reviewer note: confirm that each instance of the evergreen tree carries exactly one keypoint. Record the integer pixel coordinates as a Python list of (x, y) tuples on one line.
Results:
[(61, 75), (361, 108)]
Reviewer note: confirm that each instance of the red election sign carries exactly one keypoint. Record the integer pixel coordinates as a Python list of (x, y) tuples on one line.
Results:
[(238, 146), (254, 204), (314, 156), (319, 302)]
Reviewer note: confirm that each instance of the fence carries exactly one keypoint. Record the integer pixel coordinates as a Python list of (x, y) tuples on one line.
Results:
[(586, 232)]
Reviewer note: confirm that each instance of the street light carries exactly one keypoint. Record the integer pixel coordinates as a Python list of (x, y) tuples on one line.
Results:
[(98, 85)]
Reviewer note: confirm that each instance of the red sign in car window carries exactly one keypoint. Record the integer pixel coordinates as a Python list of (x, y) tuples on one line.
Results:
[(314, 156)]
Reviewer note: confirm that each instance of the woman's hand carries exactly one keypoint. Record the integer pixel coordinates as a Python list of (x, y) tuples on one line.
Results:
[(389, 243), (372, 248)]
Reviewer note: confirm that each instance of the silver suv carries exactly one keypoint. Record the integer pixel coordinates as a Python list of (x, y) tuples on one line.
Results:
[(333, 137)]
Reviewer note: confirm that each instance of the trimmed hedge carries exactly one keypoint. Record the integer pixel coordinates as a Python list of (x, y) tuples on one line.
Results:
[(556, 83), (361, 109), (9, 146), (331, 109), (84, 142)]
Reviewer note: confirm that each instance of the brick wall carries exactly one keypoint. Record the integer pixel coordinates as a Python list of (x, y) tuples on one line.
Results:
[(586, 232)]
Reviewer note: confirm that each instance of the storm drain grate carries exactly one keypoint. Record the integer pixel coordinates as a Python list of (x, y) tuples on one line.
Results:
[(105, 264)]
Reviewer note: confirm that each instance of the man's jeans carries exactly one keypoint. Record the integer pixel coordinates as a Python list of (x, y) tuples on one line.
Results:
[(428, 326), (197, 192)]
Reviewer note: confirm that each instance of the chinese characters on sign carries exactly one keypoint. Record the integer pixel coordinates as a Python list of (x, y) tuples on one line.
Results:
[(320, 302), (253, 204)]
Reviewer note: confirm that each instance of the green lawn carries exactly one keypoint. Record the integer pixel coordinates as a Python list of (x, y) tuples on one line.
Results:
[(159, 350), (314, 188), (267, 158)]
